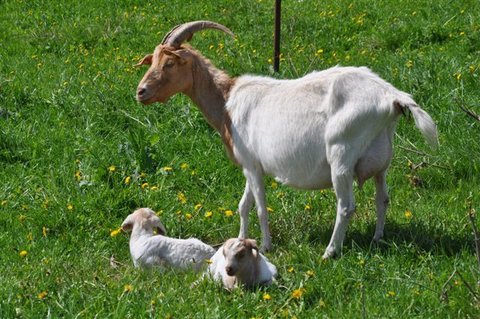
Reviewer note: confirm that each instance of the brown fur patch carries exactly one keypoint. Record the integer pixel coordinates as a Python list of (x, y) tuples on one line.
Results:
[(227, 138)]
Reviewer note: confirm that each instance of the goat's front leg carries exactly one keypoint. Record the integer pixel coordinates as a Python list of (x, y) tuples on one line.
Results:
[(343, 185), (244, 208), (381, 201), (257, 187)]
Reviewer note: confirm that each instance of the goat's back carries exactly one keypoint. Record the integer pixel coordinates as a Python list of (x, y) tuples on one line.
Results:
[(285, 126)]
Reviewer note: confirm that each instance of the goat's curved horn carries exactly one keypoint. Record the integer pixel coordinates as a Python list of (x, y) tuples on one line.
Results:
[(185, 31)]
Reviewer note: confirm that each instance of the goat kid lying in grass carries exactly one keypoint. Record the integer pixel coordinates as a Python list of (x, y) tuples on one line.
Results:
[(149, 250), (239, 263), (319, 131)]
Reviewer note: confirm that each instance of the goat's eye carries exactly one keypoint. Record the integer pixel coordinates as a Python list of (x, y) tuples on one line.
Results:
[(240, 254), (169, 64)]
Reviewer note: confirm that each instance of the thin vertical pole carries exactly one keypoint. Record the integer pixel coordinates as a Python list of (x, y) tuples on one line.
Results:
[(276, 45)]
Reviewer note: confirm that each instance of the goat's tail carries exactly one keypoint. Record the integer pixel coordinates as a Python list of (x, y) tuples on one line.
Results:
[(423, 121)]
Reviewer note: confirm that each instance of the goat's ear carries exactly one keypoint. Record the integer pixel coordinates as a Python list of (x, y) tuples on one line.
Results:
[(127, 224), (147, 60), (158, 226), (251, 244), (179, 54)]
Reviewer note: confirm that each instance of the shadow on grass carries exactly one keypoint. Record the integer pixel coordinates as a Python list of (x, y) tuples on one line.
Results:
[(420, 237)]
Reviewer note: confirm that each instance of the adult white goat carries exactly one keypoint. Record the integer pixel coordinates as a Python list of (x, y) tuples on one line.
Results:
[(315, 132)]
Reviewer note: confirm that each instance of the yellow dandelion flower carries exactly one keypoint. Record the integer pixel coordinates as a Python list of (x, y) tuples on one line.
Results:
[(44, 231), (228, 213), (128, 179), (321, 303), (154, 188), (298, 293), (168, 169), (69, 206), (22, 218), (458, 76), (274, 185), (270, 210), (308, 207), (127, 288), (270, 61), (112, 168), (391, 294), (193, 173), (188, 216), (266, 296), (144, 185), (291, 269), (42, 295), (78, 175), (115, 232), (310, 273), (184, 166), (182, 198), (23, 253), (408, 214), (198, 206), (208, 214)]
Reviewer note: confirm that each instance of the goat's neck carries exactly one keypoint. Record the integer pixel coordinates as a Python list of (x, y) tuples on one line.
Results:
[(210, 91)]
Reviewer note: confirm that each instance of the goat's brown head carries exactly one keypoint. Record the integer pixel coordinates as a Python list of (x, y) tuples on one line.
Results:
[(170, 69)]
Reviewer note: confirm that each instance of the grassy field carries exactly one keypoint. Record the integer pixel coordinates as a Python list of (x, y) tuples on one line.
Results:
[(78, 154)]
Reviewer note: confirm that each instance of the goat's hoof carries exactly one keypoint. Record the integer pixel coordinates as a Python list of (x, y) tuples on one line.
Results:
[(377, 237), (330, 254)]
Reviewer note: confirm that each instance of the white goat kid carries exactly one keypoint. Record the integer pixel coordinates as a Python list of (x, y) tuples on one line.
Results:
[(319, 131), (149, 250), (239, 263)]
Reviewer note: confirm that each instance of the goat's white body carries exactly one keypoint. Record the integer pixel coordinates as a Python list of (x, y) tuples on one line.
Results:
[(316, 132), (149, 250), (266, 272)]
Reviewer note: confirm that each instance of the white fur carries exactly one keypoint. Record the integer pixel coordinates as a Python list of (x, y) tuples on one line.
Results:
[(250, 269), (149, 250), (316, 132)]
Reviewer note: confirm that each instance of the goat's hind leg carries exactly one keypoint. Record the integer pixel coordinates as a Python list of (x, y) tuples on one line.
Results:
[(381, 202), (342, 179)]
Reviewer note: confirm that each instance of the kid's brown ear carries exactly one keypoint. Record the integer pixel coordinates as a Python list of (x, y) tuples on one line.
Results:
[(147, 60), (251, 243)]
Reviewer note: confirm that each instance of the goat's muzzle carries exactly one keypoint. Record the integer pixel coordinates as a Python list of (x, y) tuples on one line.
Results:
[(142, 95)]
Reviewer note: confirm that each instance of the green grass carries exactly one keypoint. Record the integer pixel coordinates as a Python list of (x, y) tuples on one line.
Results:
[(71, 132)]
